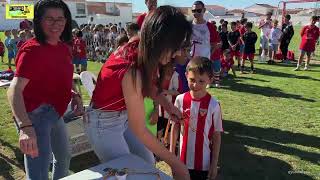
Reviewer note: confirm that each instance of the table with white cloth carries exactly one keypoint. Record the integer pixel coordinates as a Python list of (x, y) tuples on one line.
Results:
[(137, 169)]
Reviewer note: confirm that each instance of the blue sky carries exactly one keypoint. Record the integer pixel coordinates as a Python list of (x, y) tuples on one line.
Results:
[(139, 6)]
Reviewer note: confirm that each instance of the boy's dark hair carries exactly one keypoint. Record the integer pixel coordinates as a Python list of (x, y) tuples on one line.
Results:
[(198, 3), (121, 39), (133, 27), (315, 18), (39, 10), (200, 65), (243, 21), (225, 22), (221, 21), (249, 24), (233, 23), (227, 51), (79, 34), (288, 16)]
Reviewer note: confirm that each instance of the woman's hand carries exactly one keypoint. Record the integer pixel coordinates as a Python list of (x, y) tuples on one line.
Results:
[(213, 171), (180, 171), (77, 106), (175, 114), (28, 142)]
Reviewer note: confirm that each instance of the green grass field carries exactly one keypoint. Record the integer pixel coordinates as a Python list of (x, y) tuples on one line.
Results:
[(271, 123)]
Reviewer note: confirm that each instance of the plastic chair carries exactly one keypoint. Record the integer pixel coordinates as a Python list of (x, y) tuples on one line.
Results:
[(88, 80)]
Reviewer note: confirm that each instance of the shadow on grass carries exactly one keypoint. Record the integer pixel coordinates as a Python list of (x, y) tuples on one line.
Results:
[(238, 163), (236, 85), (267, 72), (6, 163)]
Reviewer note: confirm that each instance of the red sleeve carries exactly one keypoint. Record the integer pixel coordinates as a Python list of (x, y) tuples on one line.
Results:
[(303, 30), (26, 64), (214, 36), (140, 19)]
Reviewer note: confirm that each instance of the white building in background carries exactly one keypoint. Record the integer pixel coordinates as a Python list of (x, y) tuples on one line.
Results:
[(103, 12), (260, 8)]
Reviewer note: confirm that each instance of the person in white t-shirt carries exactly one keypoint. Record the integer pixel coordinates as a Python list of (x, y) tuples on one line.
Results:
[(274, 41), (203, 31), (265, 25)]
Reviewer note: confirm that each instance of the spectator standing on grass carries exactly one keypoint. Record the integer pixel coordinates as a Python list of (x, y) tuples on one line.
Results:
[(151, 5), (287, 34), (309, 36), (205, 39), (249, 39), (224, 37), (80, 56), (274, 41), (132, 72), (9, 47), (265, 25), (234, 42), (39, 97), (200, 132), (242, 30)]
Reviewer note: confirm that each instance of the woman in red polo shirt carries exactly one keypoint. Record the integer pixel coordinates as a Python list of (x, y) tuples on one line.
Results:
[(116, 123), (41, 90)]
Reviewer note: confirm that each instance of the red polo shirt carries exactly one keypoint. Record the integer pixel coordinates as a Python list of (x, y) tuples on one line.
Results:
[(49, 70)]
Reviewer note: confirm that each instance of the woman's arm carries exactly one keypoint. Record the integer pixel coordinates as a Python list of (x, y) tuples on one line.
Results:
[(175, 129), (27, 136), (135, 107)]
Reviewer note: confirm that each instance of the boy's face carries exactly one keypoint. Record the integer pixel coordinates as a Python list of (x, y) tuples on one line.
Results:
[(275, 24), (224, 29), (233, 27), (313, 21), (196, 82), (14, 32), (8, 33)]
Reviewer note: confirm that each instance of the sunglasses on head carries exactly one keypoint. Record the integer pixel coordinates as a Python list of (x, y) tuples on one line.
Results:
[(196, 10)]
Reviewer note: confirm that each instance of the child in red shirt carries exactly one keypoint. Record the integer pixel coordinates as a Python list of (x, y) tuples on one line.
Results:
[(2, 50), (227, 63), (80, 54), (309, 36)]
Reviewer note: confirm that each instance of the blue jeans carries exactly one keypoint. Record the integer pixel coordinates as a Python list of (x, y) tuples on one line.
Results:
[(52, 139), (110, 136)]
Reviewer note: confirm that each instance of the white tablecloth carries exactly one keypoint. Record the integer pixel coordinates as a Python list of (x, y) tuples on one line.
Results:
[(132, 162)]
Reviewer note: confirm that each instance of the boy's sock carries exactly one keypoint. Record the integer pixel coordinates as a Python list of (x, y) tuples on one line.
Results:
[(297, 68), (242, 68), (252, 69)]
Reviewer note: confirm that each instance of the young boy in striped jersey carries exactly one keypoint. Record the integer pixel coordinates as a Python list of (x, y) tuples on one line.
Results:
[(200, 137)]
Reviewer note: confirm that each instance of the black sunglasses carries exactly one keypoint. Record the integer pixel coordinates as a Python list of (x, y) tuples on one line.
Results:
[(196, 10)]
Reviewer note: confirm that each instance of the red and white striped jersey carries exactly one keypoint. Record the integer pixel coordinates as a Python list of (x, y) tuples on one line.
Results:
[(204, 117)]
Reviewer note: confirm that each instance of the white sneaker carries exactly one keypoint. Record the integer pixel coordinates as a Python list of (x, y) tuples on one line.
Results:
[(297, 68), (217, 85), (306, 68)]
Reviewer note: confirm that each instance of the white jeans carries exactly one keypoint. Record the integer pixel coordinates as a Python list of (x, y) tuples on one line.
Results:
[(110, 137)]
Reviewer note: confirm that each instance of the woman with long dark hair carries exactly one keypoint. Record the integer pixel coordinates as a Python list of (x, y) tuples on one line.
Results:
[(41, 90), (116, 121)]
